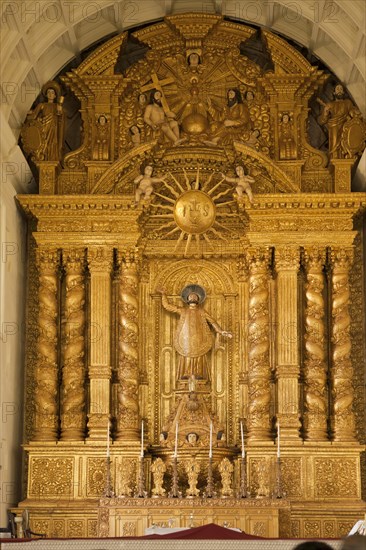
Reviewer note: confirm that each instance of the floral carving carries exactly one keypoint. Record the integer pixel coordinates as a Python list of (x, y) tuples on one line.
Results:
[(335, 477), (292, 482), (96, 476), (51, 477)]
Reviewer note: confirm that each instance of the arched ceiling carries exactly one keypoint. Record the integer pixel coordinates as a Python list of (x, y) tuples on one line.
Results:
[(39, 38)]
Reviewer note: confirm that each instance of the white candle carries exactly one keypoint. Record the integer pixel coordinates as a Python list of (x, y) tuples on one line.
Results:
[(142, 438), (176, 441), (210, 453), (278, 440), (242, 440), (108, 450)]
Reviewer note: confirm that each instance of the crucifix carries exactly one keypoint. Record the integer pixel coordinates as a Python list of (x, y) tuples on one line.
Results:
[(158, 85)]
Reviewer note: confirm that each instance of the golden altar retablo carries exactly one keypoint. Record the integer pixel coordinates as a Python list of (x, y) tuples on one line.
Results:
[(195, 168)]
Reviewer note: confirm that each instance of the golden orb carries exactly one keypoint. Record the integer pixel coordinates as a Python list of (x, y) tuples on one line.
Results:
[(195, 123)]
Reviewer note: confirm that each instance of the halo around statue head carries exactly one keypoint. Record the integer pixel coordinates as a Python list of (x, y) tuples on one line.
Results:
[(196, 289), (51, 84)]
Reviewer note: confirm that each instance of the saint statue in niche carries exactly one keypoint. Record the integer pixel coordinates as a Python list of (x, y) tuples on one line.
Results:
[(101, 145), (193, 338)]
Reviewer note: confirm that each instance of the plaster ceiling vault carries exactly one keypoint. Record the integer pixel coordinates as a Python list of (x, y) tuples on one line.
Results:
[(38, 38)]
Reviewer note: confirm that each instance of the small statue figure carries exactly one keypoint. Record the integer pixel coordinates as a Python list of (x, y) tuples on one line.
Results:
[(43, 133), (158, 470), (226, 470), (242, 183), (193, 338), (253, 139), (192, 439), (192, 469), (101, 147), (158, 119), (346, 129), (145, 184), (221, 439), (135, 135), (287, 141), (194, 62)]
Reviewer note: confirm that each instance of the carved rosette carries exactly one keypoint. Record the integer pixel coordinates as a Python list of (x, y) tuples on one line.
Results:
[(258, 340), (315, 369), (342, 417), (73, 370), (46, 371), (128, 371)]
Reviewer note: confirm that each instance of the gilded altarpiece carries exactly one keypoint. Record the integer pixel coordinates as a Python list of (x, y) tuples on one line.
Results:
[(196, 292)]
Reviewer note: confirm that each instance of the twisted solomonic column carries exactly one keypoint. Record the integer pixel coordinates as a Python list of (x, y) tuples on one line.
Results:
[(128, 367), (342, 417), (46, 371), (259, 372), (315, 368), (73, 416)]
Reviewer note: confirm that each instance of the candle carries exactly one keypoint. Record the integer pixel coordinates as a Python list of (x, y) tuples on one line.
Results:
[(176, 441), (142, 438), (278, 440), (242, 440), (108, 450), (210, 453)]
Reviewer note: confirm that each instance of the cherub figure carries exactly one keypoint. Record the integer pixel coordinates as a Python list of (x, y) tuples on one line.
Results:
[(145, 184), (242, 182)]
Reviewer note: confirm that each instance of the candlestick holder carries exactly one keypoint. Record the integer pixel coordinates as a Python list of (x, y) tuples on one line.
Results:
[(108, 491), (278, 491), (141, 493), (209, 486), (174, 493), (243, 478)]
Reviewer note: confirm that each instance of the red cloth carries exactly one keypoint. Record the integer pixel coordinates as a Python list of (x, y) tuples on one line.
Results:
[(210, 531)]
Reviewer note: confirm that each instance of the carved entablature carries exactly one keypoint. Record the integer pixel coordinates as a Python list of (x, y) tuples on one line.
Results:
[(189, 92)]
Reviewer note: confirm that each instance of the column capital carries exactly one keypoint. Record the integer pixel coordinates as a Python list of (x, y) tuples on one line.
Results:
[(73, 259), (258, 257), (341, 257), (287, 258), (128, 256), (100, 259), (47, 259), (314, 257)]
